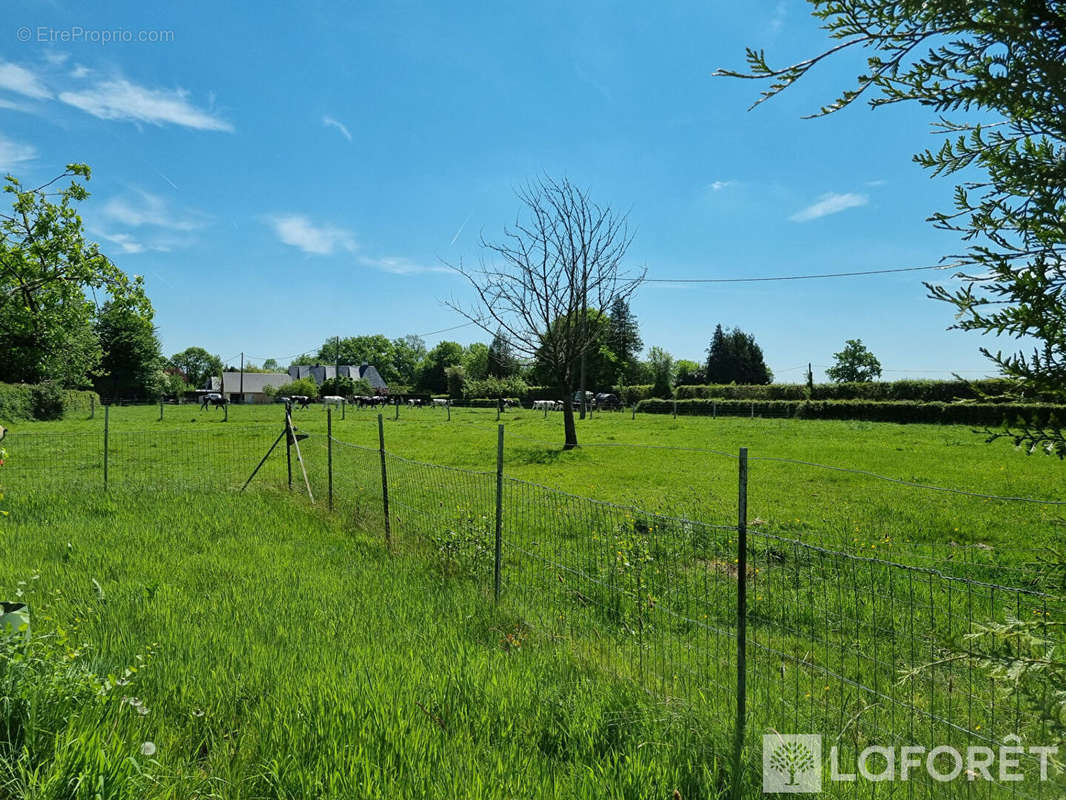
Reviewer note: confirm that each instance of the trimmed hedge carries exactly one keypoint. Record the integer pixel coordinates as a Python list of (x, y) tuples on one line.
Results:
[(882, 391), (42, 401), (987, 414)]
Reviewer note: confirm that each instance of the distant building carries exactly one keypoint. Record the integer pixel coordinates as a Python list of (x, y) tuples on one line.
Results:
[(252, 387), (321, 372), (249, 388)]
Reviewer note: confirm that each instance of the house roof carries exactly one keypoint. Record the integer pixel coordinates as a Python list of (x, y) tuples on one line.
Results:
[(254, 382)]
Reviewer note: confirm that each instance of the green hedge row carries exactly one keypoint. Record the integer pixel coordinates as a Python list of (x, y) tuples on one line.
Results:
[(42, 401), (990, 414), (883, 391)]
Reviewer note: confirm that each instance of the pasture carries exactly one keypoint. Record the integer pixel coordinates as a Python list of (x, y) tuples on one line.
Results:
[(293, 654)]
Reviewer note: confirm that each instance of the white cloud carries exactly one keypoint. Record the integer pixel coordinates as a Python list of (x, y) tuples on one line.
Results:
[(831, 203), (151, 210), (717, 186), (329, 122), (55, 57), (80, 71), (777, 21), (125, 242), (121, 99), (398, 265), (298, 231), (21, 81), (12, 154)]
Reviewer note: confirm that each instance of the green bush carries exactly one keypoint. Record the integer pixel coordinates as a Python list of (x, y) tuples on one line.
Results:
[(303, 386), (47, 401)]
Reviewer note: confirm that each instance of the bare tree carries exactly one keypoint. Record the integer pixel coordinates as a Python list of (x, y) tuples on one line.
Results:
[(560, 261)]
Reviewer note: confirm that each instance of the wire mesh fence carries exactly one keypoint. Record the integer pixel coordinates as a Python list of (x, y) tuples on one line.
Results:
[(864, 651)]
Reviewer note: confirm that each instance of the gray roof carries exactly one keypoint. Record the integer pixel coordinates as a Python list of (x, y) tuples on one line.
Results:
[(254, 382), (325, 372)]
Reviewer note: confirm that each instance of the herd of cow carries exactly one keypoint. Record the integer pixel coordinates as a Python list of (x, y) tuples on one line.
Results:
[(599, 402)]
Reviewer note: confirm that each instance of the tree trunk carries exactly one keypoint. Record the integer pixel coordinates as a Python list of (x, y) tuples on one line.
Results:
[(568, 424), (570, 430)]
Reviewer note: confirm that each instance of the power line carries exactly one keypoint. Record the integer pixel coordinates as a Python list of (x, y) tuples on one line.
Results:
[(802, 277)]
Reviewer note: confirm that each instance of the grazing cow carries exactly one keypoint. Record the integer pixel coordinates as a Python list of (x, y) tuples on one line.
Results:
[(301, 400), (213, 399), (414, 402), (605, 401), (332, 400), (542, 405), (439, 402)]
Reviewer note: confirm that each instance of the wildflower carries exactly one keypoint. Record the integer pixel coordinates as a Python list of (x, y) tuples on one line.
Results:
[(148, 749)]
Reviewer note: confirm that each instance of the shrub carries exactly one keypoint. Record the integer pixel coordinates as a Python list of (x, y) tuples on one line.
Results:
[(304, 386), (47, 401)]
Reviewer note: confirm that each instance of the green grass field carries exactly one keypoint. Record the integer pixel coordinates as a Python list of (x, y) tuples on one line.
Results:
[(290, 654)]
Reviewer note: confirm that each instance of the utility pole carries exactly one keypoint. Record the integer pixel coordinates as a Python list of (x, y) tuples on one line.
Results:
[(242, 376)]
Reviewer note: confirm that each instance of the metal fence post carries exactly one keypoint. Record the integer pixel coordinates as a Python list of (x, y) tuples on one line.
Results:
[(742, 623), (329, 453), (675, 407), (385, 476), (753, 409), (714, 409), (344, 408), (397, 408), (448, 405), (499, 515), (92, 406), (160, 408), (107, 415)]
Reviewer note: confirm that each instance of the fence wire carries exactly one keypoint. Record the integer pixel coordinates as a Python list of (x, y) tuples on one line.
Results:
[(861, 649)]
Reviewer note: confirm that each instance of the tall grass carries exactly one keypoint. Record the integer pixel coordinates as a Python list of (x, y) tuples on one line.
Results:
[(277, 652)]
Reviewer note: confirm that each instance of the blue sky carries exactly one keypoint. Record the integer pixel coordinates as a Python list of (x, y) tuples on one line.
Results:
[(281, 175)]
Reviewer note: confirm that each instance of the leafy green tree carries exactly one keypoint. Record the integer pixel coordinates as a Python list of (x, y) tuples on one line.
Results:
[(47, 272), (455, 377), (341, 386), (271, 365), (1000, 63), (734, 357), (854, 364), (132, 363), (689, 373), (197, 365), (476, 361), (432, 377), (408, 353), (502, 360), (623, 340), (662, 370), (376, 350)]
